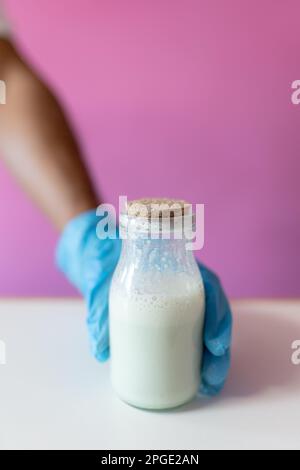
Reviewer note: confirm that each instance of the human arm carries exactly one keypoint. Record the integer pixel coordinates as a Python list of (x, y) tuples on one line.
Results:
[(37, 143)]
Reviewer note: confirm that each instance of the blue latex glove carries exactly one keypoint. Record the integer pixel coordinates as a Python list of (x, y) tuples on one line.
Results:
[(217, 334), (89, 264)]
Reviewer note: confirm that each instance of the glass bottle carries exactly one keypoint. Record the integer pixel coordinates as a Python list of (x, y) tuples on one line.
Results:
[(156, 317)]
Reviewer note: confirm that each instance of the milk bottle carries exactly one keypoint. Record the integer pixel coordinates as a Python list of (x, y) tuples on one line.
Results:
[(156, 314)]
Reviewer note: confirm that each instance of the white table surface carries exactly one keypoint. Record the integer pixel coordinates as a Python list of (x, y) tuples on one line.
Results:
[(55, 396)]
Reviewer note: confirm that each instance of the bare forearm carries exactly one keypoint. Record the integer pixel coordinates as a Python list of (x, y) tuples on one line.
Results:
[(38, 145)]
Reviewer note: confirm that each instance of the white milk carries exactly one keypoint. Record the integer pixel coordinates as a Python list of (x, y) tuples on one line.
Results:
[(156, 342)]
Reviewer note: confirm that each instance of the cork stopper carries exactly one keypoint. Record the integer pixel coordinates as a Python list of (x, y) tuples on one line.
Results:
[(158, 208)]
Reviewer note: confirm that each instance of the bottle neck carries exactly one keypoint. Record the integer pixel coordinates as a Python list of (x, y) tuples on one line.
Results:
[(160, 254)]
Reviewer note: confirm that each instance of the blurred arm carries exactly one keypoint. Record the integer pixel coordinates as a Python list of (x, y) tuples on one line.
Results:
[(37, 144)]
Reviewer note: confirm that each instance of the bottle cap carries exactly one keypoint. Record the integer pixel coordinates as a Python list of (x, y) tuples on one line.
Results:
[(158, 208)]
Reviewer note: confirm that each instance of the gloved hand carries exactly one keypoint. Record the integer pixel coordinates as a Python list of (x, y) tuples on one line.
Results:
[(89, 264), (217, 334)]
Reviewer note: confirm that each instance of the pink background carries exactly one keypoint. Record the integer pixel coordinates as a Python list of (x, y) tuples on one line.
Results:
[(183, 98)]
